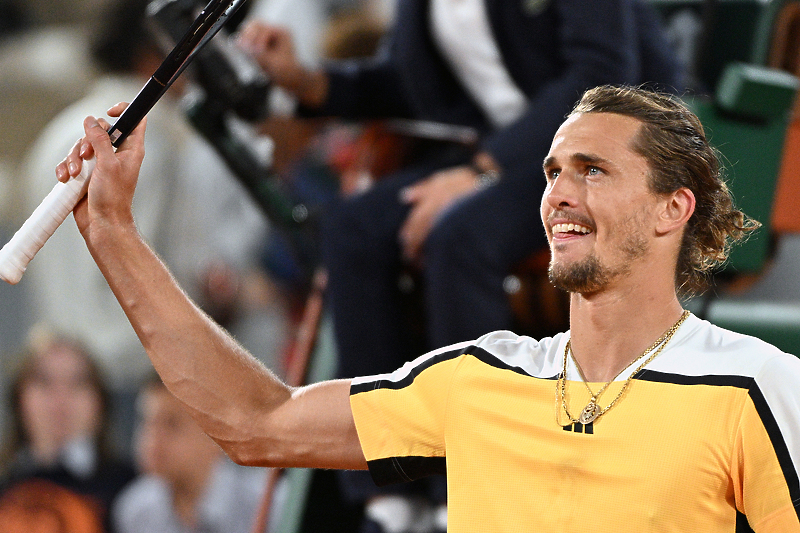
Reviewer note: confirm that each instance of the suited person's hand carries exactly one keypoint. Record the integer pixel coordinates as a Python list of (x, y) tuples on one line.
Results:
[(430, 199), (273, 49)]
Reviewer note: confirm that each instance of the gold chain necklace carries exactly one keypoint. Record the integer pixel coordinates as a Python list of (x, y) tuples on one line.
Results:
[(592, 411)]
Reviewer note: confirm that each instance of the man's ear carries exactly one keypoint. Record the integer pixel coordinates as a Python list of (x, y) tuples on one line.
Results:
[(676, 210)]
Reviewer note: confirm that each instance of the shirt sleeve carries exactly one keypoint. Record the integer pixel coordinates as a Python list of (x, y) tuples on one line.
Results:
[(400, 417), (767, 450)]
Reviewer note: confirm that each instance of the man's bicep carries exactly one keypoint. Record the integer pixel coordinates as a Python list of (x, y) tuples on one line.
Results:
[(317, 428)]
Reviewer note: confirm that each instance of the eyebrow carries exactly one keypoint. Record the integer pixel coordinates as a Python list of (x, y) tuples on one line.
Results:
[(593, 159)]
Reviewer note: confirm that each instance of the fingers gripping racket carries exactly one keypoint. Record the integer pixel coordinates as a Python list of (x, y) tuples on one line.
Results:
[(57, 205)]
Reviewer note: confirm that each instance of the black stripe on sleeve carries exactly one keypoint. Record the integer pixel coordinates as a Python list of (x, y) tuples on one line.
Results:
[(492, 360), (401, 469), (479, 353), (357, 388), (779, 445)]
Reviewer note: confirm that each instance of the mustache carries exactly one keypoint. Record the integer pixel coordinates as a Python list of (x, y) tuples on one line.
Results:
[(571, 216)]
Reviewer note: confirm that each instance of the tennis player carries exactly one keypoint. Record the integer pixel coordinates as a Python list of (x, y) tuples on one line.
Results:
[(642, 417)]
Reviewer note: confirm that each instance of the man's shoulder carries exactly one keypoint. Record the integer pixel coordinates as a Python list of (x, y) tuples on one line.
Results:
[(707, 349), (501, 349), (534, 357)]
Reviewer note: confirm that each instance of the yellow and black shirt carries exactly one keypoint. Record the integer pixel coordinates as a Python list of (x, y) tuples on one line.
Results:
[(705, 439)]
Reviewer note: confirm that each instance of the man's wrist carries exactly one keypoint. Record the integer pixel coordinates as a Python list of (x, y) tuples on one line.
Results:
[(106, 232), (485, 178), (487, 170)]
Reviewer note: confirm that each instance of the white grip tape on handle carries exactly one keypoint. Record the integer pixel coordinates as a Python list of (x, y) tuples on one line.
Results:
[(43, 222)]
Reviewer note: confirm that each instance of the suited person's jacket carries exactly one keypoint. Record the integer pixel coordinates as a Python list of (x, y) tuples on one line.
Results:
[(552, 49)]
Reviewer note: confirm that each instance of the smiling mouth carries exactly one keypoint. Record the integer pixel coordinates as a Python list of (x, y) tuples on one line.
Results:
[(571, 228)]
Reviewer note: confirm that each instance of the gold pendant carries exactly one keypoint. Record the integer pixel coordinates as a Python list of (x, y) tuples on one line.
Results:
[(589, 413)]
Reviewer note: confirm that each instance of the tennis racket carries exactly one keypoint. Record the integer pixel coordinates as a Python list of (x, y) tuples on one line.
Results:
[(59, 203)]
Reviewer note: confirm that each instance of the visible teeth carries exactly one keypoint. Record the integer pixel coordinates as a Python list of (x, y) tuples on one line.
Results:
[(564, 228)]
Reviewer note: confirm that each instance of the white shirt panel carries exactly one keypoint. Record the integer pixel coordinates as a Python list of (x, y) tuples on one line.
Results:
[(461, 30)]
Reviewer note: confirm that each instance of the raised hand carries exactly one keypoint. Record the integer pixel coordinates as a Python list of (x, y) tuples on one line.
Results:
[(111, 188)]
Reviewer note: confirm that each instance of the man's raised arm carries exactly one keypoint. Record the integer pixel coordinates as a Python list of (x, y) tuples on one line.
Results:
[(256, 419)]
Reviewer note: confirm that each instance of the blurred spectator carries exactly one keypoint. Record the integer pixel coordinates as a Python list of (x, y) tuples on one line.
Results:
[(187, 483), (190, 207), (73, 12), (463, 215), (58, 452)]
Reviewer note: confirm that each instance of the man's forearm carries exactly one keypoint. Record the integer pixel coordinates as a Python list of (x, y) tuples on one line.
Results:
[(197, 360), (230, 393)]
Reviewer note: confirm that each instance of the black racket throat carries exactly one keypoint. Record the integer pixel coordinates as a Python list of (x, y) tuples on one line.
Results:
[(205, 26)]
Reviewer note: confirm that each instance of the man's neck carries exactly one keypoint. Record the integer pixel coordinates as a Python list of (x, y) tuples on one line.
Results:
[(610, 330)]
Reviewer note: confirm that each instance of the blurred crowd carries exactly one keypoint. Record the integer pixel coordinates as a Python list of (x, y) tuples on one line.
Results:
[(91, 441)]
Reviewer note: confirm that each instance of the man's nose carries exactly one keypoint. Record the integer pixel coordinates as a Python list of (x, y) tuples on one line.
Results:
[(562, 192)]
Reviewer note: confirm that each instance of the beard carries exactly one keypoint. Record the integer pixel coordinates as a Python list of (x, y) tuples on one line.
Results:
[(585, 276), (589, 275)]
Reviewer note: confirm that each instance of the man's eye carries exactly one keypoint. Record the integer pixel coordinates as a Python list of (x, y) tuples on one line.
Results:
[(553, 174), (593, 171)]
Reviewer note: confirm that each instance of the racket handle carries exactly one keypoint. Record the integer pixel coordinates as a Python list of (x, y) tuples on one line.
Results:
[(43, 222)]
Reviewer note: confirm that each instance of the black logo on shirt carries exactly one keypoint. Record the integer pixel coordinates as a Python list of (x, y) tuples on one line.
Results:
[(580, 428)]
